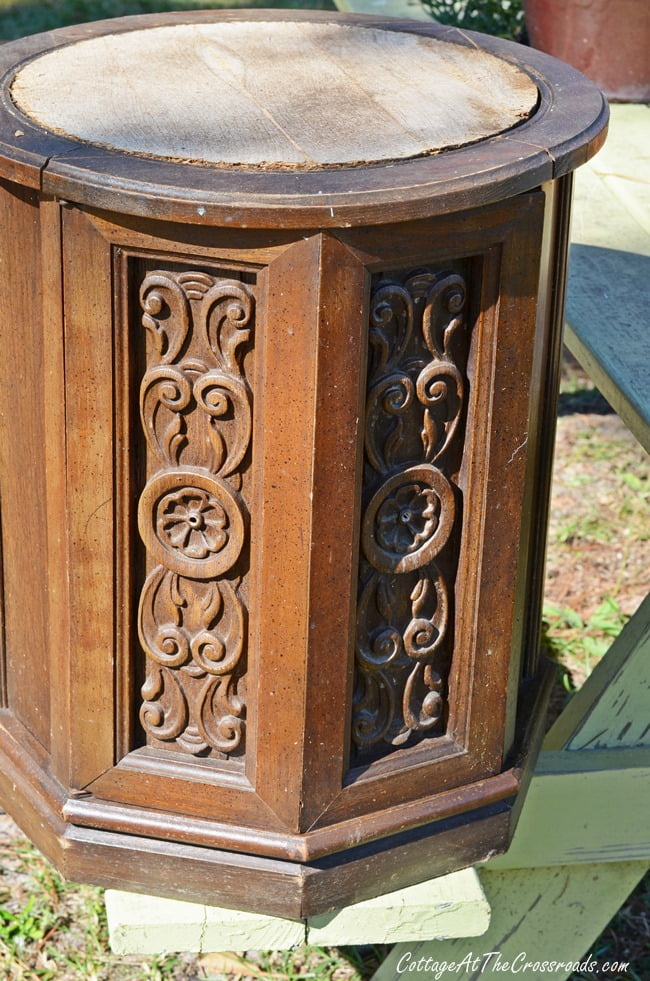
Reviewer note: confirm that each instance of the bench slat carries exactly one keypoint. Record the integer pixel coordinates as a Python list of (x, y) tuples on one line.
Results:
[(608, 298)]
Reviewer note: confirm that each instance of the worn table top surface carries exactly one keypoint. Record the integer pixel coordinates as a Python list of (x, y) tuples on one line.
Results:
[(287, 118), (292, 94)]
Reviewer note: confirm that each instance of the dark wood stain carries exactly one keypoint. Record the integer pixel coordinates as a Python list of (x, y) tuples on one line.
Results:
[(184, 627)]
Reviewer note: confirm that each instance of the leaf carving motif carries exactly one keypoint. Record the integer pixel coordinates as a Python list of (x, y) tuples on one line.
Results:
[(415, 412), (222, 396), (166, 314), (164, 709), (165, 388), (195, 410)]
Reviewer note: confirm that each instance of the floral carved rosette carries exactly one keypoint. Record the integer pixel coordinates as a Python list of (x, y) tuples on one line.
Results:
[(195, 409), (413, 444)]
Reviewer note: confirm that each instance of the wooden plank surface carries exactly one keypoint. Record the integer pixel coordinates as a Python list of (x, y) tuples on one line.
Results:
[(90, 500), (291, 94), (454, 905), (573, 813), (609, 273), (545, 915)]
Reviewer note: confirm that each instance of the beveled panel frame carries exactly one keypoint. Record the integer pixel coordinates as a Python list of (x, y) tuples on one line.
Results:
[(505, 250), (295, 795), (113, 765)]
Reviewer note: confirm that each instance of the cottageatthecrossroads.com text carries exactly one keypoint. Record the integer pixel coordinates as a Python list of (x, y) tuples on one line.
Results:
[(492, 962)]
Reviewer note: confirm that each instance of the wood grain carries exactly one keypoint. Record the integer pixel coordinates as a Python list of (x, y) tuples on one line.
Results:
[(3, 652), (90, 497), (282, 526), (341, 358), (363, 94), (59, 647), (22, 476)]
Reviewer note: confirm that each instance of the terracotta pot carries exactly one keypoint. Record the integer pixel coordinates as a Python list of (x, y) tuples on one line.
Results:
[(608, 40)]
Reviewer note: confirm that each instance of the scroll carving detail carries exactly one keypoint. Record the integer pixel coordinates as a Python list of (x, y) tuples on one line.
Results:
[(195, 409), (416, 396)]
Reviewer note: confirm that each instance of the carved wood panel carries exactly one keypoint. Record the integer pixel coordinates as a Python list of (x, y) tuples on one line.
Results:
[(414, 431), (196, 418)]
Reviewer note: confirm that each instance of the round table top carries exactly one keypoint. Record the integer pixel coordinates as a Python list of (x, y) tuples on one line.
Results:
[(269, 94), (286, 118)]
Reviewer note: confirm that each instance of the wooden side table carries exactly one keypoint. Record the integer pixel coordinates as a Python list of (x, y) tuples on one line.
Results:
[(281, 304)]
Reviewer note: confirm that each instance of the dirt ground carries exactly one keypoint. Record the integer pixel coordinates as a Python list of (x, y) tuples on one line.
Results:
[(613, 559), (598, 559)]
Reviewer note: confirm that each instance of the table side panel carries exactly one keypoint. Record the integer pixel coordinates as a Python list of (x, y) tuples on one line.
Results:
[(58, 582), (335, 524), (3, 651), (284, 419), (493, 472), (90, 434), (507, 478), (22, 487), (544, 389), (162, 285)]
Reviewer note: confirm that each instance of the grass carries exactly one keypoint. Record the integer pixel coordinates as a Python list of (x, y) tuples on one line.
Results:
[(319, 963), (600, 540), (37, 908), (577, 642), (606, 455)]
